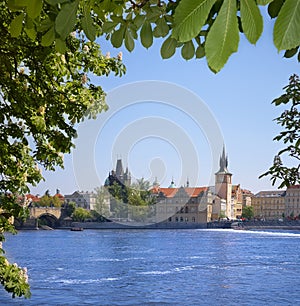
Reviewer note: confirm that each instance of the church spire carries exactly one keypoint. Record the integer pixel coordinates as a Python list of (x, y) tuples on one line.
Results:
[(223, 162)]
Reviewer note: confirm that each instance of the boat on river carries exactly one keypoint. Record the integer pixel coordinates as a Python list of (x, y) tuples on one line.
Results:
[(76, 229)]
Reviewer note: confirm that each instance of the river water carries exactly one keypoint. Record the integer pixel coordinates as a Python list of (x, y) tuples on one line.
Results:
[(158, 267)]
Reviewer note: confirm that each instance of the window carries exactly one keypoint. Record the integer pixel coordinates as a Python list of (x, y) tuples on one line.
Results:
[(181, 219)]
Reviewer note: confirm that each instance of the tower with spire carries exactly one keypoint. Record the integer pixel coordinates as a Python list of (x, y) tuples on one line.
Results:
[(223, 183), (119, 175)]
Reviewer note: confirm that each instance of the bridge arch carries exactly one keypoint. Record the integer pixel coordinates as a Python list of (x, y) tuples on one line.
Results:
[(46, 215), (47, 219)]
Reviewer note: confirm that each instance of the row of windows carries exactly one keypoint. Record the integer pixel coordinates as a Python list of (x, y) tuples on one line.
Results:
[(183, 210), (293, 200), (181, 219)]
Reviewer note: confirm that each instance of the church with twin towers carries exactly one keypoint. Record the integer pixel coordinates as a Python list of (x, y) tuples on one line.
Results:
[(192, 205)]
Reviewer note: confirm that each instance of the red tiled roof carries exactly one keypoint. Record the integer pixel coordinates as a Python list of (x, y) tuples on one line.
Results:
[(32, 197), (170, 192), (195, 191), (246, 191)]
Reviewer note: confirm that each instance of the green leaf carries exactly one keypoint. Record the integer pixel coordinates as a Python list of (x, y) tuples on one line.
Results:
[(45, 25), (252, 21), (31, 33), (17, 5), (118, 36), (146, 35), (108, 26), (34, 8), (162, 29), (66, 19), (55, 2), (168, 47), (263, 2), (48, 37), (188, 50), (88, 25), (39, 123), (290, 53), (16, 26), (275, 7), (129, 42), (139, 20), (60, 45), (286, 28), (200, 52), (189, 18), (223, 38), (118, 11)]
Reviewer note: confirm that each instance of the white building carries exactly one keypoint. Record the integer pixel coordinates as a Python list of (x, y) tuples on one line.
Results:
[(82, 199)]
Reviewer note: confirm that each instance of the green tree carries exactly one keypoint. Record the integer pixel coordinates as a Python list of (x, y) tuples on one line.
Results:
[(47, 201), (44, 93), (248, 212), (102, 202), (69, 208), (196, 27), (80, 214), (141, 184), (290, 136)]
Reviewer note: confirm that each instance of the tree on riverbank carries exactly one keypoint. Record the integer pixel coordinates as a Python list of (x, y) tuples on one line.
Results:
[(44, 93), (248, 212), (47, 201), (80, 214)]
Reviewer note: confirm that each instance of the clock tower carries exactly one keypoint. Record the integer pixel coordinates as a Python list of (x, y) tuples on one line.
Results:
[(223, 184)]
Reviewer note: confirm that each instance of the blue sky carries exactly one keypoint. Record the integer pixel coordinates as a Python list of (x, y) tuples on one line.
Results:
[(158, 139)]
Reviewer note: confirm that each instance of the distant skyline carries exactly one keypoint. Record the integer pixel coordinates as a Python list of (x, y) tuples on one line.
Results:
[(156, 139)]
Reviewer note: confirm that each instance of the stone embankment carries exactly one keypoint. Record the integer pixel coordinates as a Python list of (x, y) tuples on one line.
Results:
[(272, 224), (254, 224)]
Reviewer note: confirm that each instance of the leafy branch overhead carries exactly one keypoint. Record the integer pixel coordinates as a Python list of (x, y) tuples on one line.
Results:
[(200, 28)]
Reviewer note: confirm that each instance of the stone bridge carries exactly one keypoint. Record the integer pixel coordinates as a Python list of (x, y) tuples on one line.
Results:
[(40, 216), (37, 212)]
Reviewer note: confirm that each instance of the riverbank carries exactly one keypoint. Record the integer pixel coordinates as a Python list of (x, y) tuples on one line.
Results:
[(246, 225), (272, 224)]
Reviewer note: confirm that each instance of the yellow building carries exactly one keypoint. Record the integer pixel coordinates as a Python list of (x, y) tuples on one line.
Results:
[(292, 201), (237, 201), (269, 205)]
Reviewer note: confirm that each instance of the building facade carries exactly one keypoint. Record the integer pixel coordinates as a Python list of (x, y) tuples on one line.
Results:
[(202, 204), (292, 201), (183, 205), (269, 205), (82, 199)]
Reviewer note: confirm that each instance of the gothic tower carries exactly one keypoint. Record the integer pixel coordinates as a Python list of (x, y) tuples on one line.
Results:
[(223, 184), (119, 175)]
